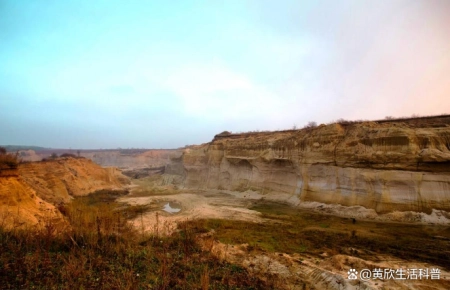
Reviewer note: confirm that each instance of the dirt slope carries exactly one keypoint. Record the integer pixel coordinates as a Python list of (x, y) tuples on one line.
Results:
[(29, 195)]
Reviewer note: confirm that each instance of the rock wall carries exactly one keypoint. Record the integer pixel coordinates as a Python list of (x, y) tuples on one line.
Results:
[(386, 166)]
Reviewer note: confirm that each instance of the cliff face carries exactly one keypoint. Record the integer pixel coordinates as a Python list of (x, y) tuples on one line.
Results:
[(28, 195), (386, 166)]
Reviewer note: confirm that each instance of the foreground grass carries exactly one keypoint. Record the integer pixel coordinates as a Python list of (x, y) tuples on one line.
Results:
[(101, 251), (294, 231)]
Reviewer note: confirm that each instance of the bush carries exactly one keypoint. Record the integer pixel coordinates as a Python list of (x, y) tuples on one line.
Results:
[(224, 133), (8, 160), (311, 124)]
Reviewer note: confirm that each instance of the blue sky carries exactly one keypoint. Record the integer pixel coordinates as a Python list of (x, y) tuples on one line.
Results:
[(161, 74)]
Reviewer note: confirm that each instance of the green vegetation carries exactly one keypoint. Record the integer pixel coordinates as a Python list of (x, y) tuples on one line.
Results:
[(289, 230), (101, 251)]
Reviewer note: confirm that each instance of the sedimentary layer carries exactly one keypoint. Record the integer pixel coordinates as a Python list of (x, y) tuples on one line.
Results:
[(386, 166), (59, 180), (29, 195)]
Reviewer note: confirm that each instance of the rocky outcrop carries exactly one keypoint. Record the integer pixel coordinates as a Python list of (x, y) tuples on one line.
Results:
[(385, 166), (29, 196)]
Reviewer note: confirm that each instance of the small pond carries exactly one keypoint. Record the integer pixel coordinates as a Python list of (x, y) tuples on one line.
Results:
[(170, 209)]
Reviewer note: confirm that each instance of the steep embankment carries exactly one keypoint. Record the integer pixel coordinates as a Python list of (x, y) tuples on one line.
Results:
[(58, 180), (385, 166), (19, 205), (29, 195)]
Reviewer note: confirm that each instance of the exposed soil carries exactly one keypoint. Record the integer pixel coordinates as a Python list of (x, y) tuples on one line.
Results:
[(299, 248)]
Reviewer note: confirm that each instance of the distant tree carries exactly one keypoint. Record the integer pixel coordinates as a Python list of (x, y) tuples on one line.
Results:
[(224, 133), (389, 118), (54, 155), (311, 124), (78, 152)]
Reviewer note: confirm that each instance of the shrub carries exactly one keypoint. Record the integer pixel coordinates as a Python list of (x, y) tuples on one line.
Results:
[(311, 124), (224, 133), (8, 160)]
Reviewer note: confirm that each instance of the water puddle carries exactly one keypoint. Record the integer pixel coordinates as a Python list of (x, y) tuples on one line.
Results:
[(169, 209)]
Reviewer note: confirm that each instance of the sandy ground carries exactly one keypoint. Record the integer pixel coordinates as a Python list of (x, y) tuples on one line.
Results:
[(296, 271), (305, 271), (192, 205), (437, 217)]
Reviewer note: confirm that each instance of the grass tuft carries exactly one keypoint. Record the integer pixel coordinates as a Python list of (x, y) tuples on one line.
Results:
[(102, 251)]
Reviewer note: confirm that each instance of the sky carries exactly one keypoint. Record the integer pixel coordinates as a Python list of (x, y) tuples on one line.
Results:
[(165, 74)]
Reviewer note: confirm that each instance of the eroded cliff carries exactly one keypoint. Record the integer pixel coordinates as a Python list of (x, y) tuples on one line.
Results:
[(29, 195), (59, 180), (385, 165)]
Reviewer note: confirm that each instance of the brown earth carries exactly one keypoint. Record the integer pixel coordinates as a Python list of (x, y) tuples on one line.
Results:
[(326, 259), (21, 207), (31, 194)]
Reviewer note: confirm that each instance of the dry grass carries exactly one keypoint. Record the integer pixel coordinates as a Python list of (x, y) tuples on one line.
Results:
[(294, 231), (8, 160), (101, 251)]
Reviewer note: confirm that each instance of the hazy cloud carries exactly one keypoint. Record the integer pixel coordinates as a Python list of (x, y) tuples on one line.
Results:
[(147, 74)]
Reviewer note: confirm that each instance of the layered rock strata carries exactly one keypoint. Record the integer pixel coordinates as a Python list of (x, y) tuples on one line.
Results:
[(385, 166)]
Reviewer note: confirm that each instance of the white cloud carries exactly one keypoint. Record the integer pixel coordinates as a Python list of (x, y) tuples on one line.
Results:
[(215, 92)]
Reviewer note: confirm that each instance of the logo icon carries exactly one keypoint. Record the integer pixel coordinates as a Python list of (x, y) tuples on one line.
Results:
[(352, 274)]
